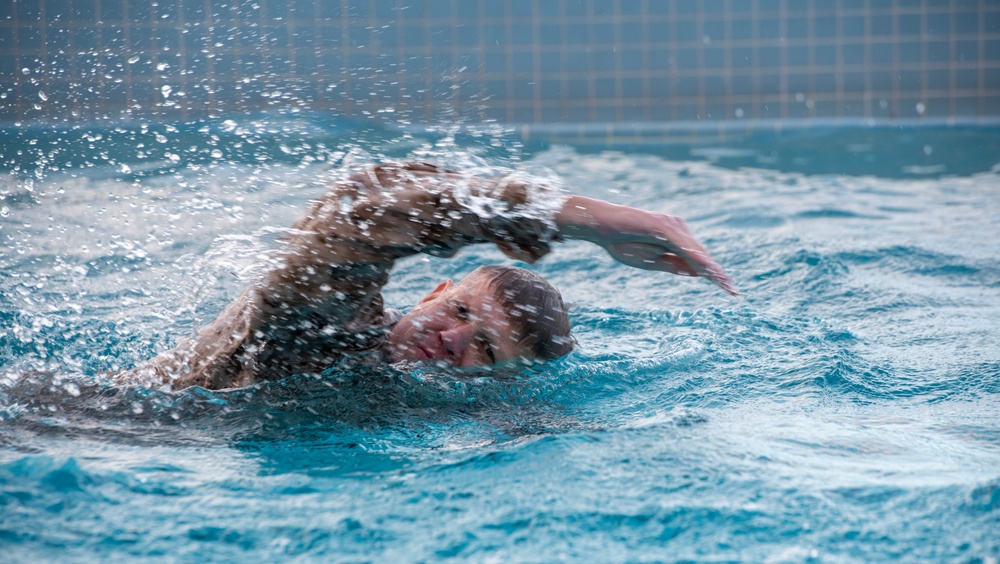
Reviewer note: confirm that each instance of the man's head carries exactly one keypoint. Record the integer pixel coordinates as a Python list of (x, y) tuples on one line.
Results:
[(496, 314)]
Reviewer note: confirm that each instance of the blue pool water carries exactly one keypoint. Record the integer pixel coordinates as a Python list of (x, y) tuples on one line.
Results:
[(846, 408)]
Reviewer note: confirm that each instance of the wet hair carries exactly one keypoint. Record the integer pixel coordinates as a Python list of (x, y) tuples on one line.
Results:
[(534, 307)]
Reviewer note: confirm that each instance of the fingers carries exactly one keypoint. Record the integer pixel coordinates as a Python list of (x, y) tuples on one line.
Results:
[(701, 264), (650, 257), (684, 262), (715, 273), (705, 269), (694, 256), (677, 265)]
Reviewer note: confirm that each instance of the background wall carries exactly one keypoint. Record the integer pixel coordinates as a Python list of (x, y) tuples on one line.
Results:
[(512, 61)]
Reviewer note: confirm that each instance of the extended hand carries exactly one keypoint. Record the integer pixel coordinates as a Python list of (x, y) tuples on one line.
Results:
[(641, 239)]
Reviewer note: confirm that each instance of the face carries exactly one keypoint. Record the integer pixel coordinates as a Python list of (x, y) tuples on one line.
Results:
[(459, 324)]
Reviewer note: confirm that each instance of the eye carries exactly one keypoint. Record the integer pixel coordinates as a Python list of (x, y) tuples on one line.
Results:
[(488, 351), (461, 311)]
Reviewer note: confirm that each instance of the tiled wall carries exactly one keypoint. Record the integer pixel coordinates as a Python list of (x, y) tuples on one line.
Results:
[(512, 61)]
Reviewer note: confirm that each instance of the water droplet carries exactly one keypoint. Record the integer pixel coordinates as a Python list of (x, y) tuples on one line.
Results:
[(133, 60), (4, 211), (43, 96), (25, 71), (166, 90), (921, 108)]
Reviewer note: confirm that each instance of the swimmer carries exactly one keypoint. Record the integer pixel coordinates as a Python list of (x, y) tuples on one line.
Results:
[(323, 299)]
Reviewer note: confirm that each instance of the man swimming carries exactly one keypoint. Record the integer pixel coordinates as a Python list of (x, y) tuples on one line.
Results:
[(323, 299)]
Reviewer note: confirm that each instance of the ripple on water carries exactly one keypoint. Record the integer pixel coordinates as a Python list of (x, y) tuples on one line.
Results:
[(845, 408)]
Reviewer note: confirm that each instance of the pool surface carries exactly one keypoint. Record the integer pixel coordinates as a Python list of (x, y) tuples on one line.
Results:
[(846, 408)]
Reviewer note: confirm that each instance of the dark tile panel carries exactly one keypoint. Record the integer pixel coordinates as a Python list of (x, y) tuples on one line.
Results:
[(553, 60)]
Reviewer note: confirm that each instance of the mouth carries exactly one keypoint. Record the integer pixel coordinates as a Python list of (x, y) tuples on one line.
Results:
[(423, 353)]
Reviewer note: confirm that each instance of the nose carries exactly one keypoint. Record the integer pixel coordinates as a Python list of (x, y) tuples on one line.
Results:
[(455, 341)]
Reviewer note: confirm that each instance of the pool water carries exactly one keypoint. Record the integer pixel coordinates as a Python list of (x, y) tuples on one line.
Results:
[(846, 408)]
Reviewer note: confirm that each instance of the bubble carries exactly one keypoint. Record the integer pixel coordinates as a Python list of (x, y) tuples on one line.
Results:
[(72, 389)]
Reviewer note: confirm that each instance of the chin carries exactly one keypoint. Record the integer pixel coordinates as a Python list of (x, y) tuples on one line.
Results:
[(405, 352), (405, 356), (397, 355)]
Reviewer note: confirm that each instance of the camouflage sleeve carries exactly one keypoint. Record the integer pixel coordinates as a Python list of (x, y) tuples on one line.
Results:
[(341, 250)]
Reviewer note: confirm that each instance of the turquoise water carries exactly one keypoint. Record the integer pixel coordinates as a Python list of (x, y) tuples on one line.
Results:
[(847, 408)]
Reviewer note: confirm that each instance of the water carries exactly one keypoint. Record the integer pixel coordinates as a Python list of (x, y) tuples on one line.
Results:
[(845, 409)]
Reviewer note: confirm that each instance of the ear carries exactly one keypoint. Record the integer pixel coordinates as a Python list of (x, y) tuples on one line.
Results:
[(440, 288)]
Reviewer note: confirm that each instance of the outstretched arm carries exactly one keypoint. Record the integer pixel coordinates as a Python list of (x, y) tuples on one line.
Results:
[(349, 239), (640, 238)]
